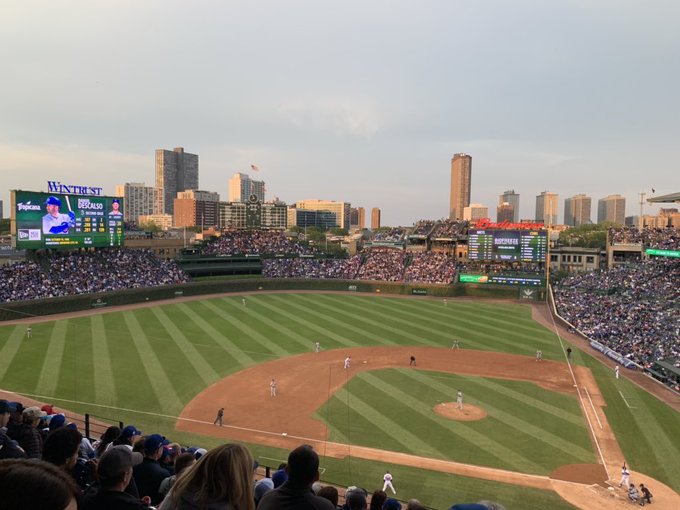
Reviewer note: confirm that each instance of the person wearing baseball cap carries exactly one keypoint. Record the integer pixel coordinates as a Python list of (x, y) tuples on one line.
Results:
[(115, 208), (27, 434), (127, 436), (150, 474), (55, 222), (114, 472), (9, 448)]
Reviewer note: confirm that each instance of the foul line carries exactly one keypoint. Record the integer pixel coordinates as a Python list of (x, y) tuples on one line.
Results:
[(626, 401), (593, 406), (578, 390)]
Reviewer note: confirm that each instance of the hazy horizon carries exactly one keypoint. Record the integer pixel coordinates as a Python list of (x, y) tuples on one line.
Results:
[(360, 102)]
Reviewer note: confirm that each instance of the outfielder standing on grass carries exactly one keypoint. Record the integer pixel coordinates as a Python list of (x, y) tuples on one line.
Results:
[(29, 332), (388, 483)]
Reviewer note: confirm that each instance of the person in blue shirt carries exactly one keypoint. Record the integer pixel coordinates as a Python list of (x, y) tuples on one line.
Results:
[(55, 222)]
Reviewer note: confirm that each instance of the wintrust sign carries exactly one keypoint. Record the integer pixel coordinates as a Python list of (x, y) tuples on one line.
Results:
[(73, 189)]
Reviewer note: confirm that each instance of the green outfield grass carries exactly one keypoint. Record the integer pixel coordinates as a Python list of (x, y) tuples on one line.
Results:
[(527, 429), (143, 365)]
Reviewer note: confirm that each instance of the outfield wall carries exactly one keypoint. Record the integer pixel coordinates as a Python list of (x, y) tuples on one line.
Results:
[(26, 309)]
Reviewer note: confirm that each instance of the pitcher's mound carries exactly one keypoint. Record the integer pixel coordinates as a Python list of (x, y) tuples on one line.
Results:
[(468, 413)]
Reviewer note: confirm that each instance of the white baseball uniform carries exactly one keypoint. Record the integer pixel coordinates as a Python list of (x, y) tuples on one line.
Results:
[(388, 482), (348, 361), (459, 399), (272, 387)]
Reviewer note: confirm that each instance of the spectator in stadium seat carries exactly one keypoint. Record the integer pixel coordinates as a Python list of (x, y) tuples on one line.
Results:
[(391, 504), (183, 462), (330, 493), (377, 500), (61, 448), (9, 448), (27, 434), (114, 471), (128, 436), (296, 493), (34, 484), (356, 500), (221, 479), (149, 474), (109, 435), (414, 504)]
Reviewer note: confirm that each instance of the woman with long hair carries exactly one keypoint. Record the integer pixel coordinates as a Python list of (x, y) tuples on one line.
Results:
[(221, 479)]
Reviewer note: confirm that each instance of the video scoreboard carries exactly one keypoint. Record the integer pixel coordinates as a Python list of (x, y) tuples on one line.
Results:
[(507, 245), (55, 220)]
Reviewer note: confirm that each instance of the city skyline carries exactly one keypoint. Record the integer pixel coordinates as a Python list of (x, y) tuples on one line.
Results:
[(346, 118)]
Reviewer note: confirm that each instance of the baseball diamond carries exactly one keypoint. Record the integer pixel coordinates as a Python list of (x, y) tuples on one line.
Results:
[(556, 430)]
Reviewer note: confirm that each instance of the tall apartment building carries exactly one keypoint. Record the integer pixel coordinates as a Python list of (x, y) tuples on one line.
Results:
[(176, 171), (357, 218), (140, 200), (461, 180), (512, 198), (323, 220), (195, 207), (546, 208), (341, 209), (505, 212), (612, 208), (375, 218), (475, 212), (241, 187), (577, 210)]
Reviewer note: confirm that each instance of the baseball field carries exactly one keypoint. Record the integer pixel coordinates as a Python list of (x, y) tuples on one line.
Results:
[(531, 434)]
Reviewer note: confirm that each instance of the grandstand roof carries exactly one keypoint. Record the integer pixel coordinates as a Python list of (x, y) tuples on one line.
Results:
[(665, 199)]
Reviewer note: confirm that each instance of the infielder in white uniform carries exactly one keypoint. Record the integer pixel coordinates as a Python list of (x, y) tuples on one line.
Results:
[(388, 483), (317, 346), (539, 356), (625, 476), (272, 387), (348, 361), (459, 399)]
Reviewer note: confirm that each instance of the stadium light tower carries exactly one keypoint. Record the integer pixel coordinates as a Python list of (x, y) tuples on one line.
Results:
[(642, 203)]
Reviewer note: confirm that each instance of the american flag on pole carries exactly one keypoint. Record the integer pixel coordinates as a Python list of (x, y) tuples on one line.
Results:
[(254, 168)]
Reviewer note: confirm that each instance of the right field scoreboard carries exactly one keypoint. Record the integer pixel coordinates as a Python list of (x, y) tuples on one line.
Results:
[(507, 245)]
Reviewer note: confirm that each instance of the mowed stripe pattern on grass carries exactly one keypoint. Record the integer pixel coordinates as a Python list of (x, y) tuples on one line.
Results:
[(156, 359), (378, 408)]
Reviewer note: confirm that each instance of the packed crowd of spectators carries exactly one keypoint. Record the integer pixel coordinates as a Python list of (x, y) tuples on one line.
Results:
[(311, 268), (431, 267), (648, 237), (253, 242), (422, 227), (631, 309), (449, 229), (393, 235), (80, 272), (46, 463), (384, 265)]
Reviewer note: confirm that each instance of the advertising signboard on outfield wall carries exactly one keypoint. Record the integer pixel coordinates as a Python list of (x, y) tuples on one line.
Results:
[(663, 253), (499, 279)]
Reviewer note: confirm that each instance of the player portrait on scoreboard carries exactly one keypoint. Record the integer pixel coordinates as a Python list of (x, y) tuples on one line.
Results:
[(55, 222), (115, 208)]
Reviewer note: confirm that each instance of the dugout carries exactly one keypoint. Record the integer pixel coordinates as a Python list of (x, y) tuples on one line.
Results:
[(666, 372)]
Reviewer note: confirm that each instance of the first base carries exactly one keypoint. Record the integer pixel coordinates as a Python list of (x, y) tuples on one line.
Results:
[(284, 433)]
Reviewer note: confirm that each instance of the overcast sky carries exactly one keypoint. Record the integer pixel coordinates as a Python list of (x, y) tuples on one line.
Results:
[(361, 101)]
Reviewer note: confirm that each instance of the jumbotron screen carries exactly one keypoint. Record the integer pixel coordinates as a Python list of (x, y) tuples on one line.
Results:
[(507, 245), (53, 220)]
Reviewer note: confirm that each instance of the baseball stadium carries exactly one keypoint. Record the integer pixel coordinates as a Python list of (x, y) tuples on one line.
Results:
[(466, 377)]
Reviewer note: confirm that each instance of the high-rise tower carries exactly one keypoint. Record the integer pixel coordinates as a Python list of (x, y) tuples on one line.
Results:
[(176, 171), (461, 179)]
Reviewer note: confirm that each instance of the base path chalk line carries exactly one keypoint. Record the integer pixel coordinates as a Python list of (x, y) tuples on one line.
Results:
[(593, 406), (626, 401)]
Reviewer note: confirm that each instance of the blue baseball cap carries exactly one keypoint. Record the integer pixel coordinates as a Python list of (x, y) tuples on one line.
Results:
[(116, 201), (130, 431), (53, 201), (153, 443)]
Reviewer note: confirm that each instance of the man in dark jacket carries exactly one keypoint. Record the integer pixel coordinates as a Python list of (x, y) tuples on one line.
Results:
[(27, 434), (296, 493), (149, 474), (9, 448), (114, 471)]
